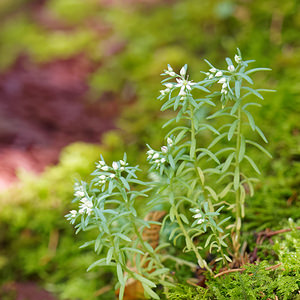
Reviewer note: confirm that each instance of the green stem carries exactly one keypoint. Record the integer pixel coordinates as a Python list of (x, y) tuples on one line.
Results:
[(202, 263), (211, 207), (142, 242), (139, 236), (237, 192)]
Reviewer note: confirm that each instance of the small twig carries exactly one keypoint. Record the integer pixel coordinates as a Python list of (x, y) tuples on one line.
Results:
[(271, 233), (273, 267), (228, 271), (103, 290), (241, 270)]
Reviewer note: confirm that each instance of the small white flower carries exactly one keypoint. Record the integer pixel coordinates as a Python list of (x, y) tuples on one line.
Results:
[(105, 168), (198, 215), (224, 85), (169, 85), (162, 160), (184, 85), (112, 175), (79, 194), (102, 177), (219, 74), (150, 152), (170, 69), (122, 168), (210, 76), (85, 206), (101, 162), (115, 165), (231, 68), (164, 149), (163, 92), (224, 91), (122, 162), (238, 59), (73, 213), (169, 141), (170, 73), (213, 70), (222, 80), (157, 161), (183, 71), (156, 155)]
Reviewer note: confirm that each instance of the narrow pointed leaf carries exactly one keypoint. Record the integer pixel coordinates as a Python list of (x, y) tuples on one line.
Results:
[(261, 134), (217, 139), (261, 148), (237, 88), (232, 129), (242, 149), (120, 274), (251, 120), (257, 69), (252, 163), (227, 162)]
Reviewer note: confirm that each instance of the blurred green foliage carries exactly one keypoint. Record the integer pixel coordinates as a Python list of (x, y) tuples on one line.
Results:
[(132, 44)]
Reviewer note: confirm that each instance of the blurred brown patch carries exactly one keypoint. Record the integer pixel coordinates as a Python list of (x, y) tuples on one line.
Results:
[(24, 291), (44, 108)]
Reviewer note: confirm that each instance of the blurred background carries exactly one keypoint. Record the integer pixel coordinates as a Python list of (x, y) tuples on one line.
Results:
[(80, 77)]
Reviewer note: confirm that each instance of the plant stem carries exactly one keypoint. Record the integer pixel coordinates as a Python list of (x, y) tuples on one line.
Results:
[(142, 242), (211, 207), (202, 263), (237, 192), (139, 236)]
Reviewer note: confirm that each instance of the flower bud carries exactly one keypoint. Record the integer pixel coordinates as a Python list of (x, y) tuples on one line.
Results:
[(183, 71), (156, 155), (231, 68), (238, 59), (164, 149), (222, 80), (169, 141)]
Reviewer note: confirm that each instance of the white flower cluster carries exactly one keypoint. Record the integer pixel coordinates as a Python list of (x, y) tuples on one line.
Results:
[(169, 72), (213, 72), (224, 83), (182, 83), (116, 167), (158, 157), (199, 215), (79, 190), (85, 206)]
